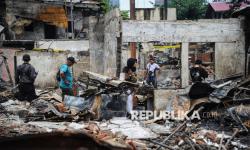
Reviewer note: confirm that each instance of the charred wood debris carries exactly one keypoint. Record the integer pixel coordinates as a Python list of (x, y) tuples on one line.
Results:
[(95, 119)]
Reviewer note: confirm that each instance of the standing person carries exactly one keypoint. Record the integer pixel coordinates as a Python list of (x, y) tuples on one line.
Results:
[(197, 72), (66, 77), (25, 77), (151, 69), (130, 76)]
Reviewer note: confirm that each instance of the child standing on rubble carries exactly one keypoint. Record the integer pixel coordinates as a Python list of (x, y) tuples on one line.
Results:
[(66, 77), (130, 76)]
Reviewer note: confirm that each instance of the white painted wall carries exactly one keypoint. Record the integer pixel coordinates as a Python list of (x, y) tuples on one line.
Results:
[(72, 45), (205, 30)]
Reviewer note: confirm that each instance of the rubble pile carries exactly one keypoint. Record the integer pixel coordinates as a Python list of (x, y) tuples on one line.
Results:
[(98, 113)]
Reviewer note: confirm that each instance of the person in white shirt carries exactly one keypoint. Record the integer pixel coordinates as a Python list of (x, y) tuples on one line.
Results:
[(150, 75)]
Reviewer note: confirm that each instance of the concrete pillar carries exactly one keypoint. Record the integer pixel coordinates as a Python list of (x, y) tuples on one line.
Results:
[(172, 14), (184, 65), (139, 14)]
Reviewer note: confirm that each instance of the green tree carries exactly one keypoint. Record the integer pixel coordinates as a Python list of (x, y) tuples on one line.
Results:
[(125, 15), (189, 9), (105, 6)]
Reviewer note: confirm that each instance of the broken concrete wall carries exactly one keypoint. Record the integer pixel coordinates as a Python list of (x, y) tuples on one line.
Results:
[(96, 44), (36, 15), (54, 15), (27, 9), (104, 36), (168, 100), (221, 31), (81, 23), (36, 33), (32, 9), (111, 34), (229, 59)]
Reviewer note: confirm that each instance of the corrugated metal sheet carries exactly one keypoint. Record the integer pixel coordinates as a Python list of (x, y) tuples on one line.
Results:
[(220, 6), (223, 6)]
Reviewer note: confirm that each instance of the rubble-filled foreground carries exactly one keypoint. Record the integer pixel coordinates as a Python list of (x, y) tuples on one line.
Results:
[(88, 122)]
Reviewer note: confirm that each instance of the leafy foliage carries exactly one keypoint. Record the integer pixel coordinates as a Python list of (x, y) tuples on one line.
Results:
[(189, 9), (105, 6), (125, 15)]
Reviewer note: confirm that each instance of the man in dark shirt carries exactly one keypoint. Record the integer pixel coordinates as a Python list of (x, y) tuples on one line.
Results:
[(25, 77), (198, 73)]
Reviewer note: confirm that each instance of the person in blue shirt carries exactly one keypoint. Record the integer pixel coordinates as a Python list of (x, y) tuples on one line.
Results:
[(66, 77)]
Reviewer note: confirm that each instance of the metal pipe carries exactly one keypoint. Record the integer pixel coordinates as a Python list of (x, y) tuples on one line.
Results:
[(15, 68), (132, 17)]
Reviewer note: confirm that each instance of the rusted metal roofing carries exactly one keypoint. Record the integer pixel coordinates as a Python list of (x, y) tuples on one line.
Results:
[(54, 15)]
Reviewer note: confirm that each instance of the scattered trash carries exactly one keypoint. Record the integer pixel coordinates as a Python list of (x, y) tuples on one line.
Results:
[(100, 113)]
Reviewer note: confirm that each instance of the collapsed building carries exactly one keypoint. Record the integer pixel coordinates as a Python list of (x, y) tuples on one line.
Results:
[(48, 19), (100, 44)]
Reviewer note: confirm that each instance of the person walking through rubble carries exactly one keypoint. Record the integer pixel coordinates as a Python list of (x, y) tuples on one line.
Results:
[(130, 76), (25, 78), (66, 77), (151, 69), (197, 72)]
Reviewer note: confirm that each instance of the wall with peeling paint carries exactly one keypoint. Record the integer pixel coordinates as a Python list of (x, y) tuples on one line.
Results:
[(104, 34), (111, 35), (46, 63), (96, 44)]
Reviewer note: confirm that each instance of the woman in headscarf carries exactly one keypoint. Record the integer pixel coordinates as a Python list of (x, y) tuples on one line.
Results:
[(130, 76), (130, 70)]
